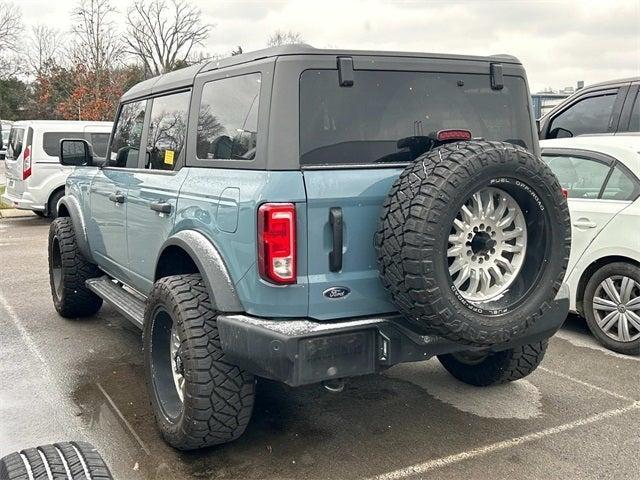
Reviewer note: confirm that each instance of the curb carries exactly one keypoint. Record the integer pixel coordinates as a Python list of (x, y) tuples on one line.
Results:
[(15, 213)]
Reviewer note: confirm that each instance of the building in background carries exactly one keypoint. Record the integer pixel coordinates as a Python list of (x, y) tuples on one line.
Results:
[(544, 101)]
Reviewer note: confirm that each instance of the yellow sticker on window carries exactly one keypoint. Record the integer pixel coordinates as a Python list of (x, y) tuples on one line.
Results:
[(168, 157)]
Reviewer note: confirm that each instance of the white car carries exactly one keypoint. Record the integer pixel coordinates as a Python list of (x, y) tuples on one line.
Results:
[(35, 178), (601, 176)]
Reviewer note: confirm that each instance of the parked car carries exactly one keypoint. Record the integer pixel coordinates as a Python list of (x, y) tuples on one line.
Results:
[(602, 177), (611, 107), (5, 127), (35, 178), (310, 215)]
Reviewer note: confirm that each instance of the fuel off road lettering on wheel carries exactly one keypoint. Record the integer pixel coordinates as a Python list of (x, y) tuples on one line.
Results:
[(473, 241)]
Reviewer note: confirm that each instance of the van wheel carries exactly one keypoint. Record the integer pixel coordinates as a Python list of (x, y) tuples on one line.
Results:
[(52, 206), (485, 369), (64, 460), (611, 307), (198, 398), (68, 272), (40, 213), (473, 241)]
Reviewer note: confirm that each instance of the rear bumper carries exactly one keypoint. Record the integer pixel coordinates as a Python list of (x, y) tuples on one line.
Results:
[(303, 351), (23, 202)]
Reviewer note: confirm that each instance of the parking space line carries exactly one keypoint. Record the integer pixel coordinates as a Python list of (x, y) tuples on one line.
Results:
[(124, 420), (586, 384), (506, 444)]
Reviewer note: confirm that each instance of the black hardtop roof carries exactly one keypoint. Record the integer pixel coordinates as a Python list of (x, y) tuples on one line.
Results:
[(184, 77), (611, 82)]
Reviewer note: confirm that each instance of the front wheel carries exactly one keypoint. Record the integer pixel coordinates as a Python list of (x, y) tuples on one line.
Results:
[(611, 307), (485, 369), (198, 398)]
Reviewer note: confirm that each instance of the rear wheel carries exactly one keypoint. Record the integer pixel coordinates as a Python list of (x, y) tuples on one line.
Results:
[(64, 460), (52, 207), (68, 272), (484, 369), (40, 213), (198, 398), (611, 307)]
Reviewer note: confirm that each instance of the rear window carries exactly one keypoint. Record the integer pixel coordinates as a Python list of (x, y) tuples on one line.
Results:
[(51, 141), (362, 124), (14, 148)]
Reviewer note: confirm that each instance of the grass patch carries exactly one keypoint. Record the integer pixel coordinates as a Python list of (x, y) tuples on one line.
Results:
[(3, 205)]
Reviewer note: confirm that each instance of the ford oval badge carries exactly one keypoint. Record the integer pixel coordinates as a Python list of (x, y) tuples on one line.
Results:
[(336, 292)]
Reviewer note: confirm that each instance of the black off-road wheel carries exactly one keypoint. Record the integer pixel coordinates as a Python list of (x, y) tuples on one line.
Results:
[(611, 307), (473, 241), (60, 461), (198, 398), (68, 271), (485, 369)]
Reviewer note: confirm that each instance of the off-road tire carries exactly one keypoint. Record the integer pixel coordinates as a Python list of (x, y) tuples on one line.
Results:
[(497, 367), (612, 269), (72, 299), (52, 205), (64, 460), (218, 396), (415, 223)]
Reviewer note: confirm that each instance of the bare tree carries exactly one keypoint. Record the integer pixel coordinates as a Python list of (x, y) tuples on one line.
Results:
[(45, 48), (163, 33), (96, 42), (280, 37), (10, 27)]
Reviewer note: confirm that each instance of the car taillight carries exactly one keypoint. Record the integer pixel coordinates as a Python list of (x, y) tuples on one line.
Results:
[(565, 193), (26, 163), (448, 135), (277, 242)]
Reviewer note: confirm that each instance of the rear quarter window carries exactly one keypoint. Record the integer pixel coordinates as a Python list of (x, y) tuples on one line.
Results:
[(51, 141)]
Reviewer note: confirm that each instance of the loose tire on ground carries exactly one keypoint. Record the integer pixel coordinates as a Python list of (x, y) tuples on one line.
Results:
[(68, 271), (60, 461), (483, 370), (208, 401), (614, 319), (428, 224)]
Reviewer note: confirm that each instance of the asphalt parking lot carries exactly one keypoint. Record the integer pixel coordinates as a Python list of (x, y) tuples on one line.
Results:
[(576, 417)]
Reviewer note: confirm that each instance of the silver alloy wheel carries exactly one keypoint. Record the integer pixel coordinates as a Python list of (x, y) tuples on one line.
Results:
[(176, 363), (616, 308), (487, 245)]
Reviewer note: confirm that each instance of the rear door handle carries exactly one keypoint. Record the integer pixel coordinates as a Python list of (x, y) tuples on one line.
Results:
[(117, 197), (584, 223), (160, 207), (335, 256)]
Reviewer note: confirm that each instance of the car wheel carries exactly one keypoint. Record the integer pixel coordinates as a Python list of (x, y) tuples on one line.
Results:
[(611, 307), (61, 461), (198, 398), (52, 206), (473, 241), (484, 369), (68, 272), (40, 213)]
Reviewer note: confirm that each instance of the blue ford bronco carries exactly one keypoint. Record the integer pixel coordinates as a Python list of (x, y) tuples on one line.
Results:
[(309, 215)]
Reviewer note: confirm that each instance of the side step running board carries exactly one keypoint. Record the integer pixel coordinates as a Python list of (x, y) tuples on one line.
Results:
[(127, 303)]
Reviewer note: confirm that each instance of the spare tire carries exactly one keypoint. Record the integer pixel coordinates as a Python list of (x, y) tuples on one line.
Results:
[(473, 241)]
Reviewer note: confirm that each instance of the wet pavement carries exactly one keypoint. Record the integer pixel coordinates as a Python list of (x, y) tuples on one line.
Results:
[(576, 417)]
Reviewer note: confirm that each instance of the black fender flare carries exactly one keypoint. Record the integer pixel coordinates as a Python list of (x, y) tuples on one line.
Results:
[(210, 265), (72, 206)]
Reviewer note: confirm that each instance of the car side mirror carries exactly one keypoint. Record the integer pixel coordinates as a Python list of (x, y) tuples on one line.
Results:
[(76, 152)]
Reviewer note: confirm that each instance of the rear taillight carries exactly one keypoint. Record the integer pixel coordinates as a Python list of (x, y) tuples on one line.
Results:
[(449, 135), (26, 163), (565, 193), (277, 242)]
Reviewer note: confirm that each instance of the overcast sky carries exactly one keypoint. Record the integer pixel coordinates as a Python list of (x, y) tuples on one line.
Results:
[(559, 41)]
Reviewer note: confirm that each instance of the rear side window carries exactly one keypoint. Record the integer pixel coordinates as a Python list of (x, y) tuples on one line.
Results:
[(228, 118), (51, 141), (16, 138), (100, 143), (125, 148), (167, 131), (581, 177), (621, 186), (634, 123), (366, 123), (591, 115)]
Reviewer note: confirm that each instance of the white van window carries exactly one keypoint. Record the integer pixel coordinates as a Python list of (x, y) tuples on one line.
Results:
[(100, 143), (14, 148), (51, 141)]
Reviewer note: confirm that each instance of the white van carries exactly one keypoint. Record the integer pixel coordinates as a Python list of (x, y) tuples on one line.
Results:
[(35, 178)]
